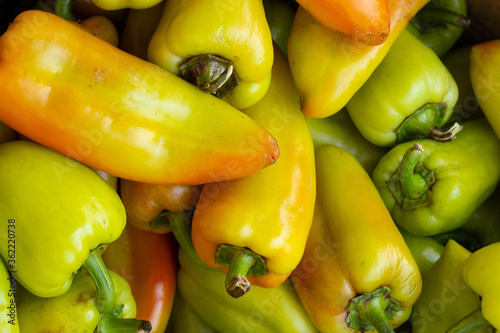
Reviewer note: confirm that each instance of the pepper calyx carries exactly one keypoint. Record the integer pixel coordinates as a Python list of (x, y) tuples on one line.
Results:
[(110, 324), (434, 17)]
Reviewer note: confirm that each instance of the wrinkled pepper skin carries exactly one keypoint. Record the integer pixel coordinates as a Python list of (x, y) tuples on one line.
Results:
[(128, 117), (144, 202), (121, 4), (329, 71), (445, 296), (365, 21), (185, 320), (437, 188), (237, 31), (266, 310), (417, 80), (484, 74), (74, 311), (6, 133), (440, 24), (425, 250), (269, 212), (152, 281), (9, 320), (355, 248), (71, 211), (339, 130)]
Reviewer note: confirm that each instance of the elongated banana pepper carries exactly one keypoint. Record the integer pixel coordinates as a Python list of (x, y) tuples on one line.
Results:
[(228, 53), (118, 113), (264, 218), (357, 273)]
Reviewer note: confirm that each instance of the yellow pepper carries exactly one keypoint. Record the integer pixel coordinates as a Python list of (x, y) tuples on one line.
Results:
[(223, 46), (328, 67), (121, 4), (357, 273)]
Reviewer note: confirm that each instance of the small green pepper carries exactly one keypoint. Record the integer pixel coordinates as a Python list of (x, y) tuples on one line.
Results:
[(410, 95), (439, 24), (425, 250), (279, 15), (8, 311), (432, 187)]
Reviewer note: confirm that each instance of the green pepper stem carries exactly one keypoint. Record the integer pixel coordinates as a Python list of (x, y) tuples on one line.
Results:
[(109, 324), (63, 9), (106, 295), (180, 224), (432, 15), (438, 134), (373, 310), (240, 262), (470, 323), (210, 73)]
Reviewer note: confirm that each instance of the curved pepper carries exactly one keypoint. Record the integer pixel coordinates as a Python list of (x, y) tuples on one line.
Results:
[(9, 321), (139, 28), (425, 250), (279, 16), (357, 273), (185, 320), (433, 187), (228, 53), (480, 273), (484, 74), (76, 310), (339, 130), (83, 9), (328, 68), (121, 4), (445, 296), (409, 96), (152, 280), (60, 214), (439, 24), (268, 213), (264, 310), (366, 21), (145, 202), (128, 117)]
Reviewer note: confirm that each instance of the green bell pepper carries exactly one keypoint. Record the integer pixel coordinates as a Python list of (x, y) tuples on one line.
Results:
[(57, 211), (183, 319), (431, 187), (425, 250), (279, 15), (439, 24), (264, 310), (445, 296), (339, 130), (76, 310), (409, 96), (9, 322)]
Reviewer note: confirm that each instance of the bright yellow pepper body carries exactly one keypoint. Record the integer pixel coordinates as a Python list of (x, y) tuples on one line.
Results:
[(235, 30), (121, 4)]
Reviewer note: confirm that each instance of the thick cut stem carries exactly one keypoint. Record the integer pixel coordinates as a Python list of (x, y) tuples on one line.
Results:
[(432, 17), (110, 324), (470, 323), (63, 9), (240, 262), (373, 310), (106, 295), (210, 73)]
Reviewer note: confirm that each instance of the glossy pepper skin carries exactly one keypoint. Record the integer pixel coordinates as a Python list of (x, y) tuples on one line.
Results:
[(128, 117), (74, 311), (153, 280), (425, 250), (329, 71), (445, 296), (237, 32), (71, 212), (270, 212), (145, 202), (439, 24), (185, 320), (365, 21), (266, 310), (9, 320), (422, 96), (356, 249), (484, 74), (433, 187), (121, 4)]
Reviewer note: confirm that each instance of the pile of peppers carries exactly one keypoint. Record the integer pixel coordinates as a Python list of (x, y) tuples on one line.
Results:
[(248, 166)]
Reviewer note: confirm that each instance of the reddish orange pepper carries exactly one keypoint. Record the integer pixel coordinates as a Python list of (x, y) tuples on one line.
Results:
[(366, 21), (148, 261)]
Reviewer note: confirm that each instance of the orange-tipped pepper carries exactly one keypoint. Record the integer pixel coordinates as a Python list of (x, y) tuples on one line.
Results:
[(82, 97), (268, 213), (366, 21), (357, 274)]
